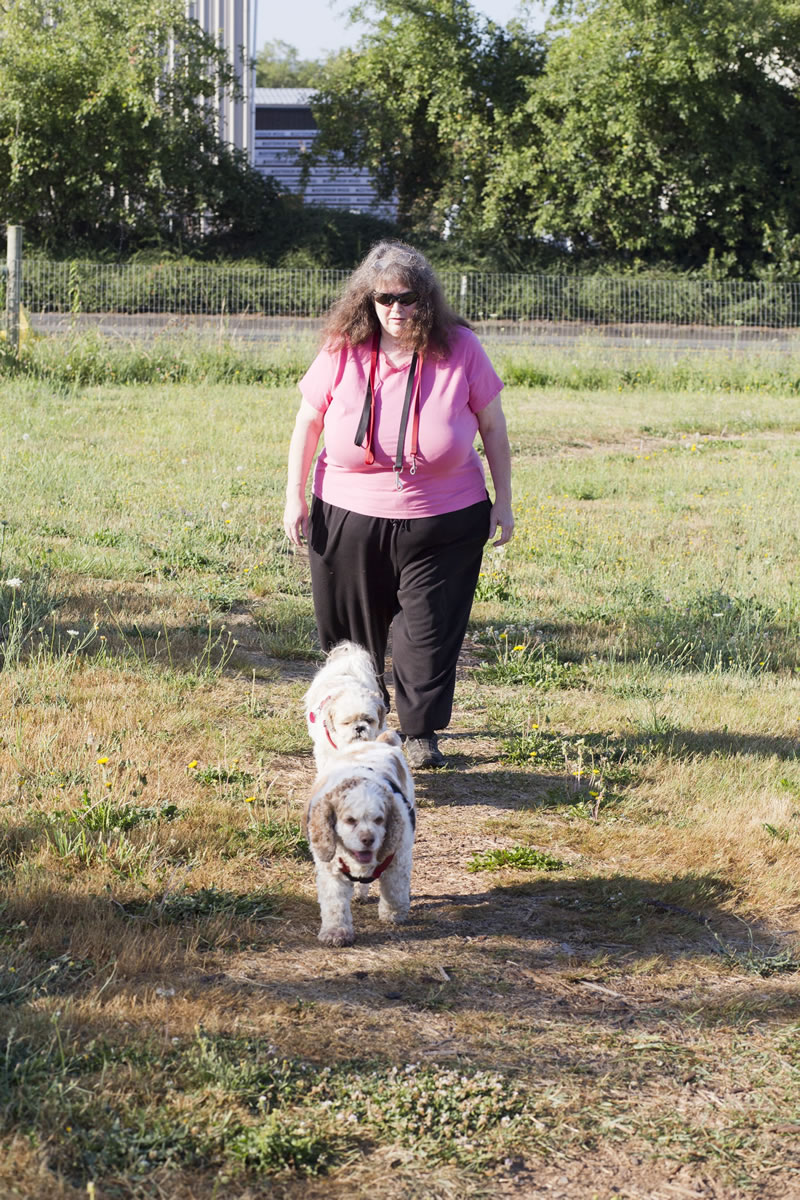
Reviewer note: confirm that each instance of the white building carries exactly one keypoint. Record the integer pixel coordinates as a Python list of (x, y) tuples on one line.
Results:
[(284, 132), (232, 25), (275, 126)]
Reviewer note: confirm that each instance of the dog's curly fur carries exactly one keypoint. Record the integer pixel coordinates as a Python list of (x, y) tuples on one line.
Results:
[(360, 824), (344, 704)]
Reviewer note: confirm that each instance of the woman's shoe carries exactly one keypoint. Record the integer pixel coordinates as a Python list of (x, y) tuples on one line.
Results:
[(424, 752)]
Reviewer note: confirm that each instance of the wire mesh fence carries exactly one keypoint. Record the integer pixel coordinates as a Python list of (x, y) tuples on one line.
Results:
[(255, 301)]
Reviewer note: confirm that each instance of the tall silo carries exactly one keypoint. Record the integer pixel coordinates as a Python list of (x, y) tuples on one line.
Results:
[(232, 24)]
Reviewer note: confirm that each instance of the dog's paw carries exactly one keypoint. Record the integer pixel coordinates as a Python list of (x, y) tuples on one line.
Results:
[(361, 893), (336, 936), (395, 916)]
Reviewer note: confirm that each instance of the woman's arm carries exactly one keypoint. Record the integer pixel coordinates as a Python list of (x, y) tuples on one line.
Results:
[(494, 435), (302, 448)]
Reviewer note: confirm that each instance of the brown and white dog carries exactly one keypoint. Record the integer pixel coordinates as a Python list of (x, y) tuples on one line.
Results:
[(360, 825), (344, 704)]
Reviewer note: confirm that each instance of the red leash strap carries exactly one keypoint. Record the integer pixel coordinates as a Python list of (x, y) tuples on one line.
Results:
[(369, 457), (312, 717), (415, 420)]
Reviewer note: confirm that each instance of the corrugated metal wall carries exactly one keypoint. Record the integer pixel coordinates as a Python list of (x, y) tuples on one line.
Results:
[(232, 24)]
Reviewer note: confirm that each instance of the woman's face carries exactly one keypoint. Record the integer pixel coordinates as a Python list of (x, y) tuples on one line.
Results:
[(394, 315)]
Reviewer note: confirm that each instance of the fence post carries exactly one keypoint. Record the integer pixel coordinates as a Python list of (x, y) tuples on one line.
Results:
[(13, 284)]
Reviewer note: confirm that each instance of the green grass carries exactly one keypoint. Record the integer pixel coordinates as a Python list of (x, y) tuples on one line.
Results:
[(606, 996), (518, 858)]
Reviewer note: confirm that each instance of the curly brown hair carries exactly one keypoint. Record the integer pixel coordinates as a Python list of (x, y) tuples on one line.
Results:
[(353, 319)]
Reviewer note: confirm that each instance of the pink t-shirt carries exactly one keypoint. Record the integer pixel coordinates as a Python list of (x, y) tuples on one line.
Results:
[(449, 472)]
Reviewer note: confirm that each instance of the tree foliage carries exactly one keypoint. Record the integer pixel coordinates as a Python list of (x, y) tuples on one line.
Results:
[(643, 130), (418, 103), (278, 65), (660, 129), (107, 124)]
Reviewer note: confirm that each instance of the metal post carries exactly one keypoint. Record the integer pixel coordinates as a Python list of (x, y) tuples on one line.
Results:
[(13, 284)]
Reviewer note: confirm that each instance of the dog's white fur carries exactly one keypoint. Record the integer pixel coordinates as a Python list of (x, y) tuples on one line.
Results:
[(344, 704), (362, 811)]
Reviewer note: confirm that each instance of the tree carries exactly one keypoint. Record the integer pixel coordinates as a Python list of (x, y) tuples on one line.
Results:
[(278, 65), (418, 103), (660, 129), (107, 124)]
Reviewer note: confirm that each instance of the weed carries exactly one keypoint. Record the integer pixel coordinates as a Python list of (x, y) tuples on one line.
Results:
[(25, 605), (183, 905), (216, 775), (246, 1068), (535, 748), (97, 832), (445, 1112), (23, 980), (494, 583), (757, 960), (519, 858), (281, 1144), (276, 837), (526, 661)]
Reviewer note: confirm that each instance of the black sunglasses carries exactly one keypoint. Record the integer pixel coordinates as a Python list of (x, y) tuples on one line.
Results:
[(387, 299)]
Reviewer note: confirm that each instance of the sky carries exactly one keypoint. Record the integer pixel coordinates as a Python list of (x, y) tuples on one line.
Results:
[(314, 27)]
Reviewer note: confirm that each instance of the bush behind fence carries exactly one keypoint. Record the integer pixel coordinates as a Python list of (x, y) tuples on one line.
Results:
[(182, 289)]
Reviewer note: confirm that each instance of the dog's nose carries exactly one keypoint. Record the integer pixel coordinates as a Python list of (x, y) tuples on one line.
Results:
[(359, 730), (367, 839)]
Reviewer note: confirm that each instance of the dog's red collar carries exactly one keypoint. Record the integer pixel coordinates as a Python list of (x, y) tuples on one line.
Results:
[(312, 717), (376, 874)]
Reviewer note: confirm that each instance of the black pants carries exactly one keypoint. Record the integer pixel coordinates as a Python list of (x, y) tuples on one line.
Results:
[(421, 574)]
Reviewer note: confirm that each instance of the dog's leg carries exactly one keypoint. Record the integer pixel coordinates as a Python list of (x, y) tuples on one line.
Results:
[(334, 894), (395, 885), (361, 893)]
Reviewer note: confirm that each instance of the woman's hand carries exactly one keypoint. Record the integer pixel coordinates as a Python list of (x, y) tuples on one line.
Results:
[(295, 520), (302, 448), (501, 517)]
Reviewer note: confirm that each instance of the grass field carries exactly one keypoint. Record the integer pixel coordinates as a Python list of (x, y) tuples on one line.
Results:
[(597, 992)]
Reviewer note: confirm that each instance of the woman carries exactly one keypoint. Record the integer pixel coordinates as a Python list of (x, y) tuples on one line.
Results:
[(400, 512)]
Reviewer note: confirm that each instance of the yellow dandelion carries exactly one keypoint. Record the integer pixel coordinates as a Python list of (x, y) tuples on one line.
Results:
[(250, 800), (192, 765), (101, 762)]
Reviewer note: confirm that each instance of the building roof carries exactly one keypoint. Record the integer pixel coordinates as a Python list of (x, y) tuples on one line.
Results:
[(282, 97)]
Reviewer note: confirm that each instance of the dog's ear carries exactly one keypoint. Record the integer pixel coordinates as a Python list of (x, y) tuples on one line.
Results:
[(321, 826), (389, 736)]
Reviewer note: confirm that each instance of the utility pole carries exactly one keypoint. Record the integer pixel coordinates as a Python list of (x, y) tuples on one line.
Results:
[(13, 284)]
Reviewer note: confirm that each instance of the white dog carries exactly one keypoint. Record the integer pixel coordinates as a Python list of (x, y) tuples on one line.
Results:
[(344, 703), (360, 824)]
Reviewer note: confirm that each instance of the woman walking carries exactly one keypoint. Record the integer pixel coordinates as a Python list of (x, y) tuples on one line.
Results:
[(400, 513)]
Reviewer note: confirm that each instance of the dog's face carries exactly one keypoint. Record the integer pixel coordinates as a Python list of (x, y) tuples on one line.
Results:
[(361, 819), (360, 805), (354, 715)]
